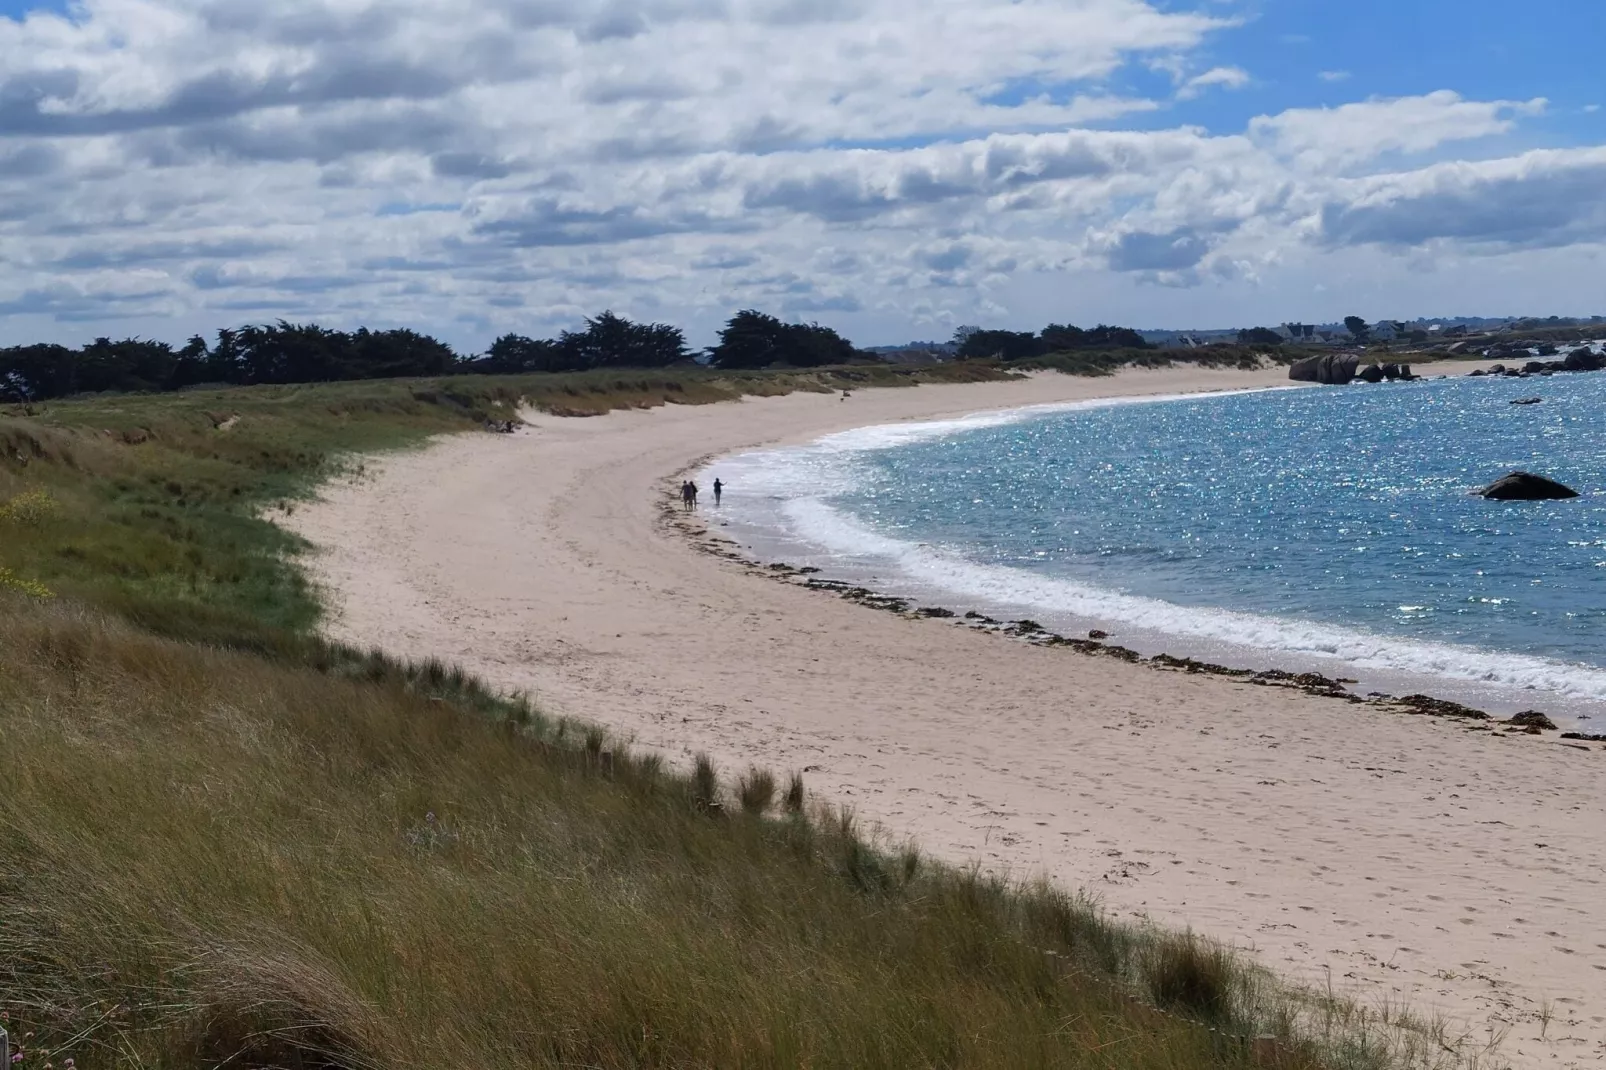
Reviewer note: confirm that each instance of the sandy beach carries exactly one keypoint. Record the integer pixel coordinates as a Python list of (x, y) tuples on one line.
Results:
[(1398, 858)]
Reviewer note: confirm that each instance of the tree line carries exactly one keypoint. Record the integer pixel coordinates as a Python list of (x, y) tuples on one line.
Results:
[(975, 343), (283, 352)]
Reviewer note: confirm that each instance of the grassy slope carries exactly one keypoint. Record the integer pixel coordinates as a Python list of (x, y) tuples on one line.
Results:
[(223, 841)]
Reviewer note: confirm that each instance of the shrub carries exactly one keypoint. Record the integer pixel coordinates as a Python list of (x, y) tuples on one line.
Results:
[(756, 791)]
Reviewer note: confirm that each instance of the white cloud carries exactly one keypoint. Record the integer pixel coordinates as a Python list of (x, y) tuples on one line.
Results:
[(1356, 133), (1333, 76), (170, 165), (1225, 77)]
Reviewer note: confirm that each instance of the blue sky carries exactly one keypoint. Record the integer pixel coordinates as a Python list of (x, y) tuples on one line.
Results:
[(893, 167)]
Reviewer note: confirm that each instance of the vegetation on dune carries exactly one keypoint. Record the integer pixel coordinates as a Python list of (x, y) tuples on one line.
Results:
[(224, 841)]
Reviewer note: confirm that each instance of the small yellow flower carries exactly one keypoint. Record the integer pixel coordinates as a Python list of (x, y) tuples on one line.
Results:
[(31, 507), (10, 581)]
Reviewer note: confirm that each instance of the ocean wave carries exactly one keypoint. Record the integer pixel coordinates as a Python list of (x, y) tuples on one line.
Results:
[(816, 522)]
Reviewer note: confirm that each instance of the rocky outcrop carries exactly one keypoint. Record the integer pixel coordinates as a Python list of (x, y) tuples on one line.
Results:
[(1526, 487), (1333, 369), (1583, 360), (1371, 374)]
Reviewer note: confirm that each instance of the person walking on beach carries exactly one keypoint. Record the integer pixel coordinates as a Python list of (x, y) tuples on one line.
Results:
[(685, 495), (719, 489)]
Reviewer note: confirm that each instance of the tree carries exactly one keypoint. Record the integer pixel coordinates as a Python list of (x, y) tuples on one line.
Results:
[(753, 339), (611, 341), (513, 354), (1259, 336), (1357, 327), (1001, 345), (1055, 338)]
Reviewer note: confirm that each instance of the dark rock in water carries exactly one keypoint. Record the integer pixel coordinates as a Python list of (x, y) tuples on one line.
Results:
[(1332, 369), (1098, 634), (934, 611), (1528, 401), (1532, 719), (1585, 736), (1545, 349), (1370, 374), (1475, 372), (1390, 372), (1514, 373), (1534, 366), (1526, 487), (1583, 360), (1498, 369)]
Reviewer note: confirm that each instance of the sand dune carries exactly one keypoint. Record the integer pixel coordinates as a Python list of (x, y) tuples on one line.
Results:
[(1401, 858)]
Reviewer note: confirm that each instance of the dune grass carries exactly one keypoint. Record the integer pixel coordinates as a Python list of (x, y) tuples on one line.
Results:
[(225, 842), (208, 856)]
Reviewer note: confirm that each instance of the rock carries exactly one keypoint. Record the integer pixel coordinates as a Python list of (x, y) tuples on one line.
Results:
[(1370, 374), (1526, 487), (1458, 347), (1498, 369), (1528, 401), (1390, 372), (1097, 634), (1477, 372), (1333, 369), (1534, 366), (1583, 360), (1545, 349), (1585, 736), (1532, 719)]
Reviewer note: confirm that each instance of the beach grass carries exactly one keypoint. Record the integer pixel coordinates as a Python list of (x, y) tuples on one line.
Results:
[(225, 841)]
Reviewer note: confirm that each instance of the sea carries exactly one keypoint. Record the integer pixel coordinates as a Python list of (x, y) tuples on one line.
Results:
[(1329, 529)]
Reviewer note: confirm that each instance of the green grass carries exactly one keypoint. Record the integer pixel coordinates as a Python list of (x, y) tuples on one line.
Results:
[(224, 842), (157, 497)]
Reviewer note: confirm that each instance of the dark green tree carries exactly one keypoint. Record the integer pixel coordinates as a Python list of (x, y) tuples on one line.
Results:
[(753, 339), (1259, 336)]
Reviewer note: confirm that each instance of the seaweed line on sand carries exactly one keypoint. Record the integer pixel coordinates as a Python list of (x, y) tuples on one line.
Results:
[(1528, 723)]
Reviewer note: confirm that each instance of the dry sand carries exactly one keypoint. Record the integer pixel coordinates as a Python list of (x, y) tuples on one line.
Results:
[(1400, 858)]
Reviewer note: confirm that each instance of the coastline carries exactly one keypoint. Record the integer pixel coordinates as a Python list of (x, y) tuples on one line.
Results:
[(1406, 858), (781, 518)]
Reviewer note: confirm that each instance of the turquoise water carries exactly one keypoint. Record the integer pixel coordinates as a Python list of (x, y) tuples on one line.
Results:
[(1334, 521)]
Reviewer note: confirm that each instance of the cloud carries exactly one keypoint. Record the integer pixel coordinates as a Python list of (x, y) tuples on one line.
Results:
[(1225, 77), (1175, 250), (174, 165), (1334, 77), (1540, 199), (1356, 133)]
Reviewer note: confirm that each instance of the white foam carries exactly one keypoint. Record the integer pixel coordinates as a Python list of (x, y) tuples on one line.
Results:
[(796, 481), (818, 523)]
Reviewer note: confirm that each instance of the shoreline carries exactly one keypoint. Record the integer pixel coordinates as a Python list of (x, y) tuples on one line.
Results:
[(1100, 644), (1403, 861), (767, 543)]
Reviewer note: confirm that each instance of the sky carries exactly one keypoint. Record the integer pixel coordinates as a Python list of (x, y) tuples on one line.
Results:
[(891, 168)]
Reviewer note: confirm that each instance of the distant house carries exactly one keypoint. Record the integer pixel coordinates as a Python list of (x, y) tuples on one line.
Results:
[(1387, 331), (1183, 341)]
